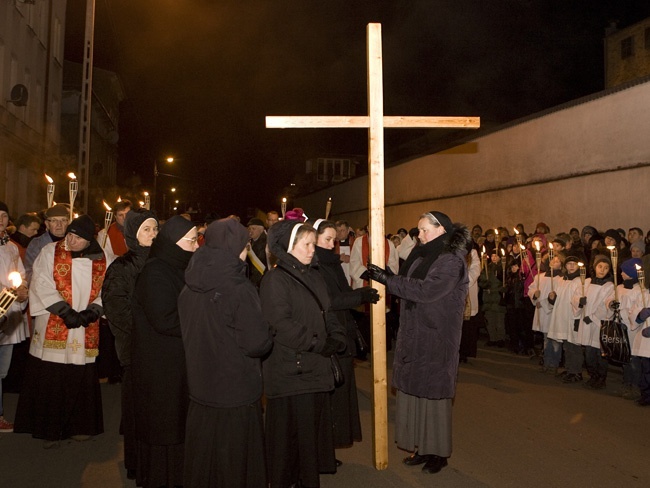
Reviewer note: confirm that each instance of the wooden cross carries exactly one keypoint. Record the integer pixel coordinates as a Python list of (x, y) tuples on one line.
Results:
[(375, 123)]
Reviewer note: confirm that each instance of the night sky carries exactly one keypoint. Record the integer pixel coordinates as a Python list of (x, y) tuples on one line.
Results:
[(200, 76)]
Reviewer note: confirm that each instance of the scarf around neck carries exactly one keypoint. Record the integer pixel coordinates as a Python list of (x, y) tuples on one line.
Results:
[(429, 252)]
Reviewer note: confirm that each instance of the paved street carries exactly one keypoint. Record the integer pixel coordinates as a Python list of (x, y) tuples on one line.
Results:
[(514, 427)]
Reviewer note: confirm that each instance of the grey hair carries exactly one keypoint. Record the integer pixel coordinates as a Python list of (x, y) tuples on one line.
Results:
[(431, 218)]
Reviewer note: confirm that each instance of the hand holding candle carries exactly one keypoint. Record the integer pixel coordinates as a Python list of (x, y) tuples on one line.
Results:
[(9, 295)]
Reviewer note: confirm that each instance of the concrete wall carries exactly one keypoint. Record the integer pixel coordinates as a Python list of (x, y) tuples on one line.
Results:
[(585, 163)]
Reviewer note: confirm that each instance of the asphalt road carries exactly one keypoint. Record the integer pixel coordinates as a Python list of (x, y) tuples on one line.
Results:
[(513, 427)]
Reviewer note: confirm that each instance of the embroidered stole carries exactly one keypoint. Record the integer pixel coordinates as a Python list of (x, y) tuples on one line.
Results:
[(56, 333)]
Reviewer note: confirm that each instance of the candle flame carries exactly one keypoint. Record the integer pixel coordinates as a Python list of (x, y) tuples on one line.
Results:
[(516, 231), (496, 231), (141, 203), (523, 248), (581, 264), (483, 250), (537, 245), (284, 200), (76, 215), (550, 245), (49, 180), (106, 205), (72, 176), (119, 198), (503, 252), (146, 194), (329, 199), (611, 247), (638, 268), (15, 278)]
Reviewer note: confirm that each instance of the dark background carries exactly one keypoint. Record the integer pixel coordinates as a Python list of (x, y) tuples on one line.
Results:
[(200, 76)]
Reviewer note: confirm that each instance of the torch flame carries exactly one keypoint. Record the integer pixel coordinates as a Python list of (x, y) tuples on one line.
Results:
[(15, 278), (581, 264), (72, 176), (49, 180), (537, 245), (611, 247), (496, 231), (638, 268), (146, 194), (119, 198), (106, 205), (550, 245), (329, 199), (516, 231), (284, 200), (503, 252), (523, 248), (483, 250)]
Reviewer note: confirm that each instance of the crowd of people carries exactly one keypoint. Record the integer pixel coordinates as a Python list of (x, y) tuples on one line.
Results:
[(235, 345)]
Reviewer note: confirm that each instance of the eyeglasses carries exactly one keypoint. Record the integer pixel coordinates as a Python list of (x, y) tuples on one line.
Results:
[(193, 240), (58, 221)]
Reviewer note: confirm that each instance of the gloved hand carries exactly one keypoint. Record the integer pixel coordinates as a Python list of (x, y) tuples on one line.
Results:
[(332, 346), (551, 297), (646, 332), (614, 305), (72, 319), (644, 314), (536, 295), (368, 294), (587, 320), (378, 274), (89, 316), (582, 302)]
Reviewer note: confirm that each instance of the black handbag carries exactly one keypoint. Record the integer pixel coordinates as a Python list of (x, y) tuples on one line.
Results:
[(614, 341), (337, 371)]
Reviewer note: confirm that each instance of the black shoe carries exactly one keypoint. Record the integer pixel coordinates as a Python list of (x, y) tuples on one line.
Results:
[(338, 463), (415, 459), (434, 464), (130, 474)]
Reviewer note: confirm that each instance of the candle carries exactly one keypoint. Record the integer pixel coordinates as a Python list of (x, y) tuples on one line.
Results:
[(503, 265), (284, 207), (107, 221), (538, 259), (550, 259), (328, 207), (614, 254), (74, 186), (147, 201), (50, 190), (9, 295), (641, 275), (483, 258)]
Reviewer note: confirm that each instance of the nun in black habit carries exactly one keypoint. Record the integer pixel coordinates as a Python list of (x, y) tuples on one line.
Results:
[(158, 359)]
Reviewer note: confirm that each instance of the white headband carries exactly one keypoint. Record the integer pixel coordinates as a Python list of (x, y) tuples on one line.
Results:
[(292, 238), (318, 222)]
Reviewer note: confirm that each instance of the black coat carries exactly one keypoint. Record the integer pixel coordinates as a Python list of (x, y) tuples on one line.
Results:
[(299, 331), (117, 290), (428, 341), (342, 296), (158, 359), (224, 332)]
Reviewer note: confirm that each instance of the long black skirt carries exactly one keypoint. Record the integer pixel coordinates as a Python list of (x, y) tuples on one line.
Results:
[(224, 447), (127, 425), (299, 440), (160, 465), (59, 400), (345, 408)]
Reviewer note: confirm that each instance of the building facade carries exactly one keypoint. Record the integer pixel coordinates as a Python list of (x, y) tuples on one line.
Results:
[(31, 73), (627, 53)]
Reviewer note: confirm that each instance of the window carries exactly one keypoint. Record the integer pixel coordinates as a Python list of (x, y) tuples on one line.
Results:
[(627, 47)]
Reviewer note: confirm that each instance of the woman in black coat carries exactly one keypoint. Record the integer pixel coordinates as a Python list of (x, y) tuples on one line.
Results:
[(345, 405), (140, 228), (297, 373), (224, 336), (433, 285), (158, 360)]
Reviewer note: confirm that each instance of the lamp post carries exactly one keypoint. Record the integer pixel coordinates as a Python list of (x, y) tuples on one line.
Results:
[(170, 160)]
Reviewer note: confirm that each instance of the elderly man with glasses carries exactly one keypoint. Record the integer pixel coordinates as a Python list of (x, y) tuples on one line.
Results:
[(57, 219)]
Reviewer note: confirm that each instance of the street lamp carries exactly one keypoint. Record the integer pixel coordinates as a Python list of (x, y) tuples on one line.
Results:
[(169, 160)]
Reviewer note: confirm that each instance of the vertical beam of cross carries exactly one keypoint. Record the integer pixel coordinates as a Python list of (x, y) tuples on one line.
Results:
[(375, 123)]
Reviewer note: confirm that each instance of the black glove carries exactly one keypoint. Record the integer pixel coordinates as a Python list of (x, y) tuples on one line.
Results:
[(89, 316), (614, 305), (368, 294), (644, 314), (646, 332), (582, 302), (587, 320), (552, 300), (332, 346), (378, 274), (72, 319)]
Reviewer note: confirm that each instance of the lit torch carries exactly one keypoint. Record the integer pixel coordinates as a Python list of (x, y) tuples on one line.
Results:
[(50, 190), (641, 275), (583, 276), (614, 254), (74, 187), (107, 221), (550, 259), (503, 265), (328, 207), (284, 207), (9, 295), (147, 200)]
